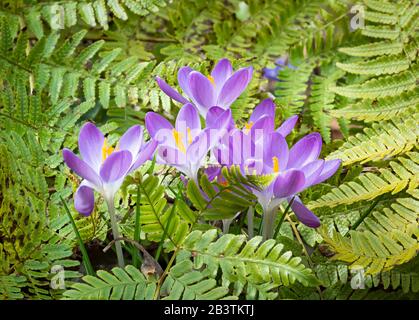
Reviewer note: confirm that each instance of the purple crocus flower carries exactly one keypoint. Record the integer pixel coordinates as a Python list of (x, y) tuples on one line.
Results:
[(221, 88), (102, 167), (292, 170), (185, 145), (261, 122)]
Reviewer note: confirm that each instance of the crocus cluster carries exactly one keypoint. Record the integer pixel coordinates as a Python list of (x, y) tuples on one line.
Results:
[(257, 147), (260, 149)]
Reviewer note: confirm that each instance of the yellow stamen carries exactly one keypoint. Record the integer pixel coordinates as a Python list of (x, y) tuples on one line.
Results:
[(211, 79), (189, 136), (106, 151), (178, 140), (276, 164), (248, 126)]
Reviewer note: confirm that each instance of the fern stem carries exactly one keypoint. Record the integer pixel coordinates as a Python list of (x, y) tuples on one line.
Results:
[(115, 232), (137, 230), (365, 214), (85, 256), (281, 220), (167, 226)]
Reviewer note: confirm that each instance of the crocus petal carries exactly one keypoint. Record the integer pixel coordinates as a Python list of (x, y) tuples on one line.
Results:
[(146, 153), (234, 87), (312, 171), (288, 183), (275, 146), (252, 166), (202, 91), (304, 215), (116, 166), (198, 149), (265, 108), (263, 126), (171, 156), (182, 78), (287, 126), (188, 117), (172, 93), (159, 128), (81, 168), (219, 130), (132, 140), (329, 169), (221, 72), (213, 118), (84, 200), (229, 149), (280, 61), (271, 73), (305, 150), (90, 145), (212, 172)]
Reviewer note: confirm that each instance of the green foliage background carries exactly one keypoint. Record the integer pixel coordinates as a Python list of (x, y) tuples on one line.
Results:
[(65, 62)]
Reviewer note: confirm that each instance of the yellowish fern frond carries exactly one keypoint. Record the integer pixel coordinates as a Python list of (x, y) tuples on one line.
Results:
[(404, 173), (380, 141)]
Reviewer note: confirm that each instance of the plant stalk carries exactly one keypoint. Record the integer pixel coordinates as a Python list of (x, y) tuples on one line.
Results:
[(115, 232), (250, 226), (268, 224)]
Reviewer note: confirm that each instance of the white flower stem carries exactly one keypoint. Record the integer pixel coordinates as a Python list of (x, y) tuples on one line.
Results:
[(268, 224), (115, 232)]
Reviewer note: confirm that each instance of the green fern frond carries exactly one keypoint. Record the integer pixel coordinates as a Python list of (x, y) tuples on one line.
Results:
[(382, 65), (381, 87), (321, 101), (244, 261), (223, 201), (381, 6), (374, 49), (184, 282), (158, 218), (67, 14), (403, 173), (291, 91), (382, 140), (127, 284), (382, 109), (11, 287)]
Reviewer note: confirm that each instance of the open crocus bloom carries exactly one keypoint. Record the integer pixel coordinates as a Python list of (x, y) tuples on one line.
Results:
[(185, 146), (293, 171), (260, 123), (102, 167), (221, 88)]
